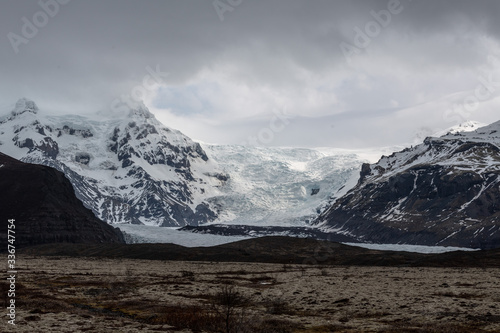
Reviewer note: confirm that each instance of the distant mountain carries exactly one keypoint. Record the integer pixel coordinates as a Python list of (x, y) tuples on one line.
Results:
[(43, 204), (129, 168), (126, 168), (445, 191)]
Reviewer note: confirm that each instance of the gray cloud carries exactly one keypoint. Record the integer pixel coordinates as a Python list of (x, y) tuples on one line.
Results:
[(264, 55)]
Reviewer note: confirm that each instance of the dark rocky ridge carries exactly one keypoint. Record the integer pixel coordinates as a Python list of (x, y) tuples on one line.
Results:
[(262, 231), (45, 208), (442, 192)]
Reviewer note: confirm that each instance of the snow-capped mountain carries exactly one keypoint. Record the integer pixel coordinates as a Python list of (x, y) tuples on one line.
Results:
[(128, 169), (445, 191), (467, 126), (132, 169)]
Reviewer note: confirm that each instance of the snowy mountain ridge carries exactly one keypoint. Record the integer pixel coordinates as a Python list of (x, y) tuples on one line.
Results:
[(131, 169), (444, 191), (447, 150), (127, 170)]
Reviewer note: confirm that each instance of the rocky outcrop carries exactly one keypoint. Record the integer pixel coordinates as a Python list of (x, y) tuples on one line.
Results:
[(442, 192), (45, 209)]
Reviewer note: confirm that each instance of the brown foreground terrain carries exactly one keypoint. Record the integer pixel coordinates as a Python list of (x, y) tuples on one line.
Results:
[(92, 294)]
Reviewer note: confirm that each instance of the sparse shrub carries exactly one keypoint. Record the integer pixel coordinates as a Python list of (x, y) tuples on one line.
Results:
[(277, 306), (129, 274), (329, 328), (432, 328), (229, 305), (188, 275), (191, 317), (458, 295), (275, 326)]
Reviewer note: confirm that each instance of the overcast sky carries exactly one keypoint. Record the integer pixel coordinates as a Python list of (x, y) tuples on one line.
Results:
[(272, 73)]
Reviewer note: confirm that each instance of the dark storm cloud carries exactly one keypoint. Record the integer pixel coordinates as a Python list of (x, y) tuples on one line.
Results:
[(263, 56)]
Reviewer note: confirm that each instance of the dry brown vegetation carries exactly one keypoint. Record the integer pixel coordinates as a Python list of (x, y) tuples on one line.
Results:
[(59, 294)]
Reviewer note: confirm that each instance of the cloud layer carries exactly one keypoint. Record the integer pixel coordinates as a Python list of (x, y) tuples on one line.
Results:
[(344, 73)]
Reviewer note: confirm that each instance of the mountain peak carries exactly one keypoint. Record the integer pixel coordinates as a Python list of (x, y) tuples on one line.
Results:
[(141, 111), (24, 105), (467, 126)]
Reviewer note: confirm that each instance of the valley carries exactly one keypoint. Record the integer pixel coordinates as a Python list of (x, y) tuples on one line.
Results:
[(130, 169)]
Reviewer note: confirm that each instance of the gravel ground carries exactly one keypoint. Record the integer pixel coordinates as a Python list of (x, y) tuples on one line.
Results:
[(59, 294)]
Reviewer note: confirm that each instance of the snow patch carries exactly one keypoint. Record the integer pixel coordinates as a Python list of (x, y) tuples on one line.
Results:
[(410, 248)]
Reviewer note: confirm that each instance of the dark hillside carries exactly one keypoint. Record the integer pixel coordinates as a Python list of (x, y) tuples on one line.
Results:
[(45, 208), (282, 250)]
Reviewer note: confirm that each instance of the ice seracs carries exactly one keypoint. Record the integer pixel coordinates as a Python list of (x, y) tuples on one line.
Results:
[(278, 186)]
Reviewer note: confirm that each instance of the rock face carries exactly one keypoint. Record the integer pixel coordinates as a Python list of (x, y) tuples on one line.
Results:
[(45, 208), (127, 169), (445, 191)]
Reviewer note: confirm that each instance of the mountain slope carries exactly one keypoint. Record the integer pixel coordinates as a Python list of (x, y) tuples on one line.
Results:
[(444, 191), (42, 203), (127, 169)]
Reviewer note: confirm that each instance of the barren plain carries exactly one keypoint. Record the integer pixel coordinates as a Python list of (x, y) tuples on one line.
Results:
[(63, 294)]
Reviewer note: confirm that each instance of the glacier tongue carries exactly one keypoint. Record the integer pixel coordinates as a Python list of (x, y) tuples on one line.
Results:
[(278, 186)]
